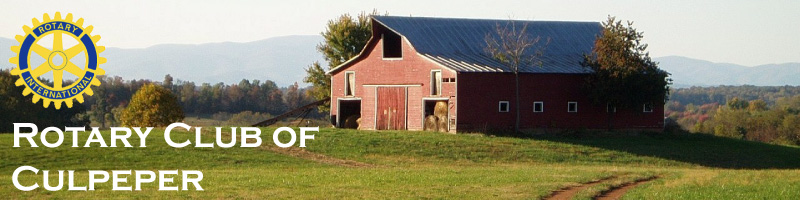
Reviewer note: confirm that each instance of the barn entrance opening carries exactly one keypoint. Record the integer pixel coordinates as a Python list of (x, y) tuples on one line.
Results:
[(436, 116), (349, 114)]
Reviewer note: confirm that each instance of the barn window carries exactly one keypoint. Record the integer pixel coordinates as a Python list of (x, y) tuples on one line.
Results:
[(392, 47), (572, 106), (503, 107), (538, 106), (648, 108), (611, 108), (349, 83), (436, 82)]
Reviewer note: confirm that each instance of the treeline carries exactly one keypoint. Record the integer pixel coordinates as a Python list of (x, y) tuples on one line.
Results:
[(15, 108), (766, 114), (205, 99), (253, 100), (721, 94)]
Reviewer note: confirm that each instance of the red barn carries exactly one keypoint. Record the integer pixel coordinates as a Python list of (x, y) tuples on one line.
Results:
[(412, 64)]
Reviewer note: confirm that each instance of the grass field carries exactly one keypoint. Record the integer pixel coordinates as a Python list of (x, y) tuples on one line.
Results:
[(430, 165)]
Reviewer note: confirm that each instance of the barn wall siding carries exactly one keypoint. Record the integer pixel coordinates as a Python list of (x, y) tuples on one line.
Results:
[(481, 92), (372, 70), (473, 98)]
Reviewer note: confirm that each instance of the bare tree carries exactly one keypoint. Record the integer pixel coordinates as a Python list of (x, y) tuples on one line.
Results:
[(515, 48)]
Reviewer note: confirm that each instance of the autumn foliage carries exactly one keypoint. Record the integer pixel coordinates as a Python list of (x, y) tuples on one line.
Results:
[(152, 105), (624, 75)]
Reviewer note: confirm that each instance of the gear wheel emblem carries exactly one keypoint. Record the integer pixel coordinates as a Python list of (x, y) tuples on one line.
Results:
[(57, 60)]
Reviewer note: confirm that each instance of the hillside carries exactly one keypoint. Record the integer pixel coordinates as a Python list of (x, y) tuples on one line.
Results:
[(280, 59), (408, 164)]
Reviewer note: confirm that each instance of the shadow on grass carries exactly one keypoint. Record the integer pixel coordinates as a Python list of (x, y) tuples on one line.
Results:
[(699, 149)]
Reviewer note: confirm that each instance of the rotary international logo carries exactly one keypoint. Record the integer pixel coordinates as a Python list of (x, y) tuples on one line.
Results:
[(72, 74)]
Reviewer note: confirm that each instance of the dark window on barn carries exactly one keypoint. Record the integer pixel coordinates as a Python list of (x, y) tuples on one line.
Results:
[(610, 108), (436, 82), (392, 47), (572, 106), (503, 107), (648, 108), (538, 106), (349, 83)]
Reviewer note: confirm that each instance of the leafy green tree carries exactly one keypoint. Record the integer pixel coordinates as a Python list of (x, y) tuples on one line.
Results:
[(152, 105), (345, 37), (623, 73), (321, 84), (790, 130), (737, 104), (790, 104), (731, 122), (757, 105)]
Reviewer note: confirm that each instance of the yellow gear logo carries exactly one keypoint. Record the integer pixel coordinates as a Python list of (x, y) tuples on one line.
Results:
[(57, 60)]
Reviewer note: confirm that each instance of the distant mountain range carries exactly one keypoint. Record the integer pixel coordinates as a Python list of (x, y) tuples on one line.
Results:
[(693, 72), (280, 59), (283, 59)]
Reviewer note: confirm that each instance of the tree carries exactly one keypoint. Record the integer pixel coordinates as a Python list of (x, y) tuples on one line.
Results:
[(100, 107), (152, 105), (623, 73), (293, 98), (320, 84), (515, 48), (738, 104), (345, 37), (188, 96), (167, 81), (17, 108)]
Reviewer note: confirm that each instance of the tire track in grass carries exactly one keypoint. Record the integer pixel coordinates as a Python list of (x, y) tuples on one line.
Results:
[(617, 192), (569, 192)]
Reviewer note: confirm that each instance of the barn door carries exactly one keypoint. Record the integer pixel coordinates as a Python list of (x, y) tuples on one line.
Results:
[(391, 109)]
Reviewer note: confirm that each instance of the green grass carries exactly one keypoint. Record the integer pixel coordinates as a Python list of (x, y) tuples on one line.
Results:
[(400, 147), (430, 165), (722, 184)]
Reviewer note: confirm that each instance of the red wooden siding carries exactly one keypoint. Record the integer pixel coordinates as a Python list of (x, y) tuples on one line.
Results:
[(481, 92), (391, 110)]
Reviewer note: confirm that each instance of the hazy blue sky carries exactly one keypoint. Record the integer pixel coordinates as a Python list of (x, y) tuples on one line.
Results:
[(741, 32)]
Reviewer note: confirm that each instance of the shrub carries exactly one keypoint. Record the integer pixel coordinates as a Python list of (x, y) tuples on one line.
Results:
[(152, 105)]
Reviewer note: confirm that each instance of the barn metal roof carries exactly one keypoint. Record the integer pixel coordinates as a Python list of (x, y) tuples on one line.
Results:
[(460, 44)]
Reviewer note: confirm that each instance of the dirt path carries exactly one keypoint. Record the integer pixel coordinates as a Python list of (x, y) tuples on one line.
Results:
[(617, 192), (569, 192)]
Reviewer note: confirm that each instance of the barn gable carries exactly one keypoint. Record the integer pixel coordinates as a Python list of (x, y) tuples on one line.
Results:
[(459, 44)]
